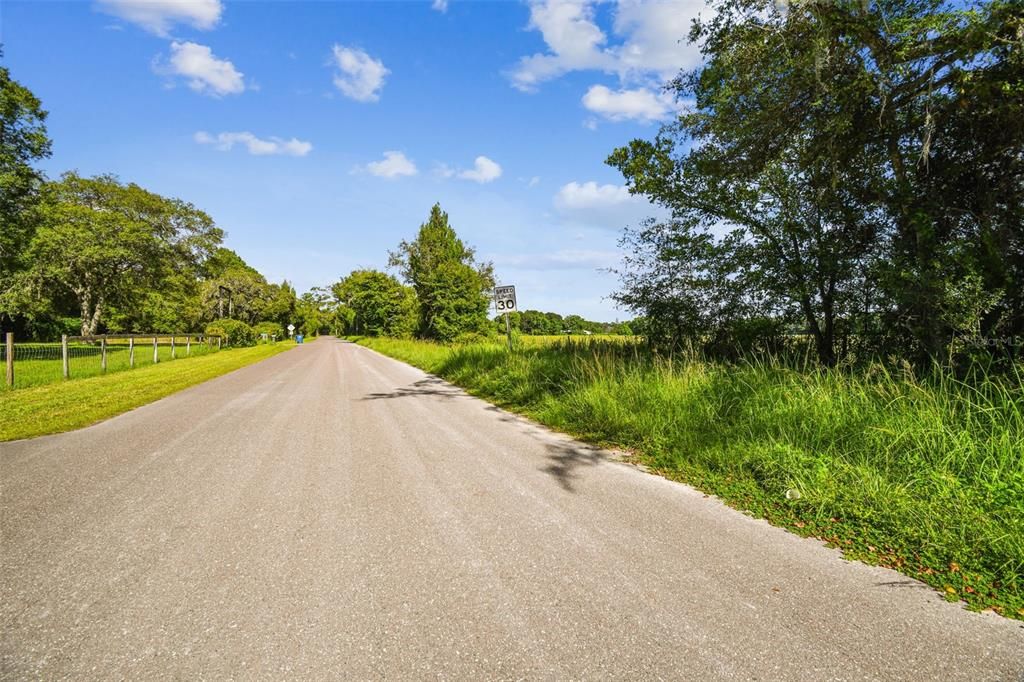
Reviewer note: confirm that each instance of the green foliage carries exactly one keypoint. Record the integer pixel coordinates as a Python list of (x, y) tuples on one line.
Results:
[(924, 475), (234, 332), (846, 167), (379, 305), (453, 291), (108, 246), (271, 329), (23, 142), (534, 323)]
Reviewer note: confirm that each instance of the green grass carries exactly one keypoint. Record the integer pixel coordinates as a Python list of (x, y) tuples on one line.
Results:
[(66, 405), (925, 476)]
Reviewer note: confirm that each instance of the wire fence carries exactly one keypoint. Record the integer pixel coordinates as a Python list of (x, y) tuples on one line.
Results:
[(77, 357)]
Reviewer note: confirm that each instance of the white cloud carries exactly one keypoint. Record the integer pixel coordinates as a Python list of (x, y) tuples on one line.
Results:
[(443, 170), (605, 206), (394, 165), (359, 76), (657, 35), (652, 40), (484, 170), (158, 16), (574, 196), (206, 73), (256, 146), (534, 181), (440, 5), (574, 41), (638, 104)]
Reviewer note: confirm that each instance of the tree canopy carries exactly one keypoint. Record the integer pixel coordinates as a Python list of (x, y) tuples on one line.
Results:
[(452, 289), (854, 168)]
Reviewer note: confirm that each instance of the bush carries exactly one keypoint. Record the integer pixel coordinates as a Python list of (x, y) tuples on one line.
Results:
[(235, 332), (271, 329)]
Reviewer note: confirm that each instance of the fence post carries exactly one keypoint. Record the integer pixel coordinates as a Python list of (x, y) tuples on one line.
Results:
[(218, 342), (103, 353), (156, 355), (10, 359), (131, 352), (64, 355), (188, 346), (172, 346)]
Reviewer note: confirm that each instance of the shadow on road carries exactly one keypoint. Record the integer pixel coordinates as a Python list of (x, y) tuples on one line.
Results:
[(429, 386), (566, 458), (914, 584)]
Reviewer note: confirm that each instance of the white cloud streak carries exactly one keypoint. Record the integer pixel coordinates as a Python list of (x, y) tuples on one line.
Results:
[(359, 76), (566, 259), (159, 16), (256, 146)]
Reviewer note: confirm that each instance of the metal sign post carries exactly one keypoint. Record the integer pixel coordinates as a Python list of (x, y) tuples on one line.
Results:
[(505, 302), (291, 328)]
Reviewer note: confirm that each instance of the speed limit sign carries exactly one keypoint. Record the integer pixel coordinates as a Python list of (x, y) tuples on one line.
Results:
[(505, 299)]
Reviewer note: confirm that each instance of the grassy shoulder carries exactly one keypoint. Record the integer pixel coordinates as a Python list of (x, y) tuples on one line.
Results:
[(922, 476), (58, 407)]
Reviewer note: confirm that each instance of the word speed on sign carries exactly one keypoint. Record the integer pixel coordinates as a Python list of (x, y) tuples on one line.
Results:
[(505, 299)]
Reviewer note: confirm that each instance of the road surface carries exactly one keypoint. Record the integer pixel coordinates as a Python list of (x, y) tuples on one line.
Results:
[(331, 513)]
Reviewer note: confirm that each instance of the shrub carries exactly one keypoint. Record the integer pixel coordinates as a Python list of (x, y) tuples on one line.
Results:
[(271, 329), (235, 332)]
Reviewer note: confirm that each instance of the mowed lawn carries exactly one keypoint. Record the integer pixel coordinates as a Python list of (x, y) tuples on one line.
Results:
[(921, 474), (65, 405)]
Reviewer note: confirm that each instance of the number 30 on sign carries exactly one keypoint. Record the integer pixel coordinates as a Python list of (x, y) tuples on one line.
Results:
[(505, 299)]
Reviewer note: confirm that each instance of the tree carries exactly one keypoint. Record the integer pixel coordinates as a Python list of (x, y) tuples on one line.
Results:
[(453, 291), (235, 289), (380, 304), (853, 162), (23, 142), (110, 244)]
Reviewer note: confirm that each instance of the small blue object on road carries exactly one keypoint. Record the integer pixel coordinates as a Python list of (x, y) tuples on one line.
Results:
[(298, 338)]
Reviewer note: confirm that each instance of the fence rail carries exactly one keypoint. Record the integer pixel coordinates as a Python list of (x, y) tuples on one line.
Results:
[(34, 363)]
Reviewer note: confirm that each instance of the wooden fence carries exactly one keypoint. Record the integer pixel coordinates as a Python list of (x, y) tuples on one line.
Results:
[(131, 349)]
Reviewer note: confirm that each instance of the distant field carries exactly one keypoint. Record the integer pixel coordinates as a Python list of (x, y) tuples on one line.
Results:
[(921, 474), (65, 405)]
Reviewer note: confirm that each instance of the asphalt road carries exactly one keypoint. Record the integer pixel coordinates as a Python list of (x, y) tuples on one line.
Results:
[(331, 513)]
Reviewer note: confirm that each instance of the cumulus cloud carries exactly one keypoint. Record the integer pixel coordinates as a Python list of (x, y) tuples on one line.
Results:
[(484, 170), (638, 104), (256, 146), (440, 5), (606, 206), (648, 41), (158, 16), (393, 165), (205, 72), (359, 76)]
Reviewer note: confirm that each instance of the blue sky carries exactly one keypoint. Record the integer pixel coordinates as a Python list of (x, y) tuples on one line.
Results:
[(319, 134)]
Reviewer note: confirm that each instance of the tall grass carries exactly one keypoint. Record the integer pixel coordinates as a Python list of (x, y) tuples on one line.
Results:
[(922, 474)]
